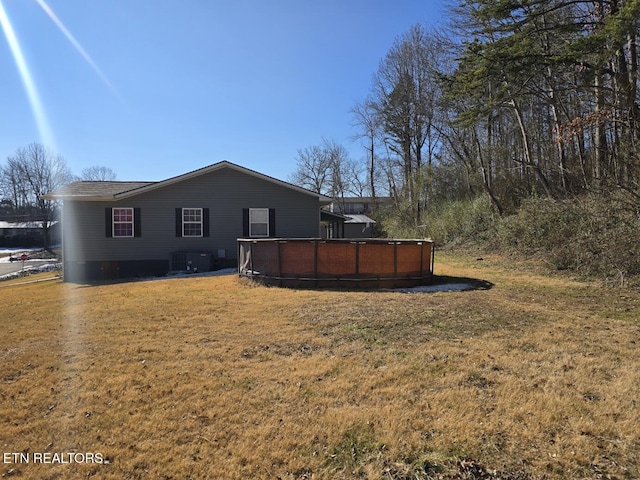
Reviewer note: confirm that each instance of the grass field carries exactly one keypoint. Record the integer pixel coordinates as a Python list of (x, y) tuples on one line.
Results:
[(218, 378)]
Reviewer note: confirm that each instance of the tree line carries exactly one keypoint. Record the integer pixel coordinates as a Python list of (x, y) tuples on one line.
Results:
[(31, 172), (513, 99)]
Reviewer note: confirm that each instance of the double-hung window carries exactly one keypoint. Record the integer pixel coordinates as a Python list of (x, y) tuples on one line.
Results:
[(123, 222), (259, 222), (192, 222)]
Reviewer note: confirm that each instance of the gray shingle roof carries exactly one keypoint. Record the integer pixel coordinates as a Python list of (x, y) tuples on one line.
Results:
[(104, 191), (95, 189)]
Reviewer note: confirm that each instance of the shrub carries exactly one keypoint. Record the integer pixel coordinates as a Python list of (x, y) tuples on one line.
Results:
[(398, 222), (594, 235), (467, 220), (448, 222)]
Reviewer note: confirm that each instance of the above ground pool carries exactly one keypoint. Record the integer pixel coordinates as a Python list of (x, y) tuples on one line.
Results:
[(314, 262)]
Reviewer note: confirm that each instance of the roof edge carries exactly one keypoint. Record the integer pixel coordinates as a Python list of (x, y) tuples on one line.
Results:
[(212, 168), (180, 178)]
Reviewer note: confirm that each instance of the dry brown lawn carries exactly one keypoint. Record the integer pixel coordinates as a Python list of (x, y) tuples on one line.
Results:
[(218, 378)]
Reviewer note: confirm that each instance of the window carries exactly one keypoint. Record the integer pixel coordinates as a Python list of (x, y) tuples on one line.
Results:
[(192, 222), (123, 222), (356, 208), (258, 222)]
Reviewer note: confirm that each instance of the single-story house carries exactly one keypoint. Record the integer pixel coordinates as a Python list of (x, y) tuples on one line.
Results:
[(190, 222)]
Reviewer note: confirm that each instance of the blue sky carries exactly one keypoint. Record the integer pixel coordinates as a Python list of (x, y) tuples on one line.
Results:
[(156, 88)]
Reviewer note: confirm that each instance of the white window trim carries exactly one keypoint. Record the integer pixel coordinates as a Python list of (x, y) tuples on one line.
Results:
[(114, 223), (251, 234), (201, 222)]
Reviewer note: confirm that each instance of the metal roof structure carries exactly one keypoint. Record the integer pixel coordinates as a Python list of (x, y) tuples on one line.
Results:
[(352, 218)]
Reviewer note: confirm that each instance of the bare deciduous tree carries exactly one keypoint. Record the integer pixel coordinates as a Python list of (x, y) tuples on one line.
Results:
[(405, 97), (312, 169), (31, 172), (14, 190), (323, 169), (368, 121), (98, 173)]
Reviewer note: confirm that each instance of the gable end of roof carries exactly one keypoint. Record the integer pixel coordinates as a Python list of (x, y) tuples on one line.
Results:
[(106, 191)]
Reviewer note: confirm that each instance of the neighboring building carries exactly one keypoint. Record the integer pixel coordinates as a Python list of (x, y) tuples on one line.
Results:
[(358, 226), (358, 205), (192, 221), (332, 224), (27, 234), (335, 225), (348, 217)]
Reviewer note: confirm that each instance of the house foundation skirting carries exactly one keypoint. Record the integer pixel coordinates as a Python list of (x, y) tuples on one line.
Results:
[(96, 271)]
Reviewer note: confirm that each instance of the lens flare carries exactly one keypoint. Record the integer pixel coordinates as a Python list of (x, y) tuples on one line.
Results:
[(46, 134), (65, 31)]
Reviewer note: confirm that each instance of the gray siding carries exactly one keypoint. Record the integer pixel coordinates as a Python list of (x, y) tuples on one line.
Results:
[(358, 230), (225, 192)]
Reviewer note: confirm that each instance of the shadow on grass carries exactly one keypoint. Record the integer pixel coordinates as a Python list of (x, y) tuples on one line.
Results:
[(439, 283), (476, 283), (169, 276), (448, 283)]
